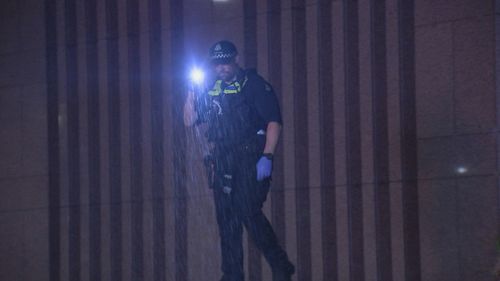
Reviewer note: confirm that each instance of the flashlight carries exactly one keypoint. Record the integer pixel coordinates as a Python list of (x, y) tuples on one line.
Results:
[(197, 76)]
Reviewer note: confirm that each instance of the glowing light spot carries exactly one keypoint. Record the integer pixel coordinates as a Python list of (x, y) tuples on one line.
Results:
[(197, 76), (462, 170)]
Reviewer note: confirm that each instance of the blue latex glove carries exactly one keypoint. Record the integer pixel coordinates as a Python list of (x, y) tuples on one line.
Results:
[(264, 168)]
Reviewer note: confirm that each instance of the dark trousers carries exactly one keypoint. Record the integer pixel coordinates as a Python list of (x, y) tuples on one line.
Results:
[(239, 198)]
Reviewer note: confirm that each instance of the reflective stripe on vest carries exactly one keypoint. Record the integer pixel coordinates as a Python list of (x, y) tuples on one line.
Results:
[(232, 88)]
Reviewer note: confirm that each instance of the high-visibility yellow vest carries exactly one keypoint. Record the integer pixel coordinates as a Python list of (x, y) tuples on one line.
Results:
[(232, 88)]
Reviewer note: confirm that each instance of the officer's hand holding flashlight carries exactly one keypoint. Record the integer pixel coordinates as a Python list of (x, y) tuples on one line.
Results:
[(264, 167), (197, 78), (196, 85)]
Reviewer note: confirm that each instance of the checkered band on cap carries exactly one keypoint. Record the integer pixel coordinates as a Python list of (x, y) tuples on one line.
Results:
[(216, 56), (223, 50)]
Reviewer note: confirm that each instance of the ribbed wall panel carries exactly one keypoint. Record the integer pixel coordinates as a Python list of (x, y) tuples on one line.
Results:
[(127, 197)]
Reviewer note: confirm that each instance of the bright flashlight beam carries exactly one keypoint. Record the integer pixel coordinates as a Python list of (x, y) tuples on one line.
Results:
[(197, 76)]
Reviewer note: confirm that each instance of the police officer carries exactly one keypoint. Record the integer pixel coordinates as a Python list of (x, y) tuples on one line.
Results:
[(244, 124)]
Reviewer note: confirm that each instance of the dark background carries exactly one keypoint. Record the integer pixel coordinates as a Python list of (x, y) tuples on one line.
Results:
[(387, 169)]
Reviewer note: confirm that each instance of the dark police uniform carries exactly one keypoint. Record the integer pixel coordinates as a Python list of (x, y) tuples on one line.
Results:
[(237, 115)]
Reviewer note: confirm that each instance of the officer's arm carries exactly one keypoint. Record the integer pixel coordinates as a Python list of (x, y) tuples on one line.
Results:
[(190, 115), (272, 136)]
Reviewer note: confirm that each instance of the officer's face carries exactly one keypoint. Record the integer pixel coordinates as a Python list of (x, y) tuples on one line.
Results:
[(226, 72)]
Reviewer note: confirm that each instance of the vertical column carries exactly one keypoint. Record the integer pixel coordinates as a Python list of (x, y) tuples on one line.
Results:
[(94, 165), (179, 140), (380, 141), (73, 139), (394, 136), (409, 140), (327, 138), (353, 141), (339, 113), (155, 60), (53, 141), (497, 88), (250, 32), (135, 137), (301, 140), (114, 144)]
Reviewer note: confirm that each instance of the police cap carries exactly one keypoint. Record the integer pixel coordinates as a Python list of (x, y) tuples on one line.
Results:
[(222, 52)]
